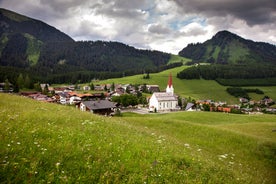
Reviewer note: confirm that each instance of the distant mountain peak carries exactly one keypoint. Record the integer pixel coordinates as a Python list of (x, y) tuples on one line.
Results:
[(226, 47), (224, 34)]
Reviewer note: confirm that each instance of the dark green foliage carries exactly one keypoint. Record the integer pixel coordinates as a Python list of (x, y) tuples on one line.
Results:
[(20, 81), (126, 100), (237, 92), (7, 85), (189, 73), (147, 76), (226, 47), (14, 53), (240, 92), (246, 82), (206, 107), (92, 87), (219, 72)]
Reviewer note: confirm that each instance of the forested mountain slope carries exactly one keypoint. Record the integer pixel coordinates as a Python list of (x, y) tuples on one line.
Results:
[(32, 47)]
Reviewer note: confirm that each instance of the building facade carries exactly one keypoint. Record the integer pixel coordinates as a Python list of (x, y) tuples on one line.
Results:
[(164, 101)]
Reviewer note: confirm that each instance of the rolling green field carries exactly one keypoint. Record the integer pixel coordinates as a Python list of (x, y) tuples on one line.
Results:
[(197, 89), (50, 143)]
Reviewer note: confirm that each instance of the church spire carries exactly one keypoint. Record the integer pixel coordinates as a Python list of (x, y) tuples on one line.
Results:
[(169, 88), (170, 80)]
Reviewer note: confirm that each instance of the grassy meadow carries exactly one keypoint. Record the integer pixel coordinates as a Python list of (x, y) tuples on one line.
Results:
[(50, 143)]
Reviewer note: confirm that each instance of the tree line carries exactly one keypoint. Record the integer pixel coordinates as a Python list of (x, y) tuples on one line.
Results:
[(218, 71)]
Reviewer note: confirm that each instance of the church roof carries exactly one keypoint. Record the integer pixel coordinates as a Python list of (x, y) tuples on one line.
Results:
[(165, 97)]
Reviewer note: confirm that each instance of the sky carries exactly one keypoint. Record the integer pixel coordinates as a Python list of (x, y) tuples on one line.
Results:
[(164, 25)]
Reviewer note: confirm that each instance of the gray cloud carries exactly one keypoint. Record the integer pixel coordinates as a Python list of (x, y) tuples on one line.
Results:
[(253, 12), (159, 29), (166, 25)]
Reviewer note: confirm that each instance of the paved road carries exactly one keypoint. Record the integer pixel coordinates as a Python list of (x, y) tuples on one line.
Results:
[(138, 110)]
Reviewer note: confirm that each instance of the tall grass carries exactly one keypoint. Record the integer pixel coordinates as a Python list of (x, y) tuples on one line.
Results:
[(49, 143)]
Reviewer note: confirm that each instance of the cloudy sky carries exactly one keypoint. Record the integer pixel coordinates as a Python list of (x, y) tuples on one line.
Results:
[(165, 25)]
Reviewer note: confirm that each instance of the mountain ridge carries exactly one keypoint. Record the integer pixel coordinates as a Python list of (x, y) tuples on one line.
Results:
[(228, 48)]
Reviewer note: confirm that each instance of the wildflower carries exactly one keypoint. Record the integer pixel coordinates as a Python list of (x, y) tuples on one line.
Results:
[(9, 145), (187, 145), (199, 150), (18, 143), (57, 165)]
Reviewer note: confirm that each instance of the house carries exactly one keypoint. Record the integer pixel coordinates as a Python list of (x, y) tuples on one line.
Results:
[(103, 107), (86, 88), (190, 107), (243, 100), (74, 100), (153, 88), (2, 87), (164, 101)]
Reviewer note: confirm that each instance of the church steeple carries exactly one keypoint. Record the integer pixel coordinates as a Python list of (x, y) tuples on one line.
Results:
[(169, 88)]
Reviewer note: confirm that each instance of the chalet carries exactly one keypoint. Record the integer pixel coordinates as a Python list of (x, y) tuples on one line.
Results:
[(190, 107), (103, 107), (74, 100), (153, 88), (86, 88), (2, 87), (164, 101), (63, 98), (243, 100)]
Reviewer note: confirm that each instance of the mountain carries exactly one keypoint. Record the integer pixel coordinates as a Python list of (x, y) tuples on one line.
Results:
[(41, 51), (13, 23), (22, 38), (226, 47)]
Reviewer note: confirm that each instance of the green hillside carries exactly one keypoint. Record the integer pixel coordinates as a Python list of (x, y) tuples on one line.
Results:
[(49, 143), (197, 89)]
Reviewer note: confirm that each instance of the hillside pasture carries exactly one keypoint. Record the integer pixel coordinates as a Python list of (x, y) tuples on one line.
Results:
[(198, 89), (50, 143)]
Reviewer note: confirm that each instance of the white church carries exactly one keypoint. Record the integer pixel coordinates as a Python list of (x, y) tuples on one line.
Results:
[(164, 101)]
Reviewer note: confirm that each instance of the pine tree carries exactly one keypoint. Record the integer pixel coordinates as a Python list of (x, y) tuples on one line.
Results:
[(92, 87), (27, 82), (7, 85), (20, 81), (112, 88)]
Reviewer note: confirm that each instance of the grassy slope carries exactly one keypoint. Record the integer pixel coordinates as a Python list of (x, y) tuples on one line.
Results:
[(43, 143), (197, 89), (33, 49), (176, 58)]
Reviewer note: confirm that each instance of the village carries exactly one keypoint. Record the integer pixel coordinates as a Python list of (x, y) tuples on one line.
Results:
[(112, 99)]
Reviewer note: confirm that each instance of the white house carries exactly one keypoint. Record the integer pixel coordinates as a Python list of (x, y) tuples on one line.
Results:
[(164, 101)]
